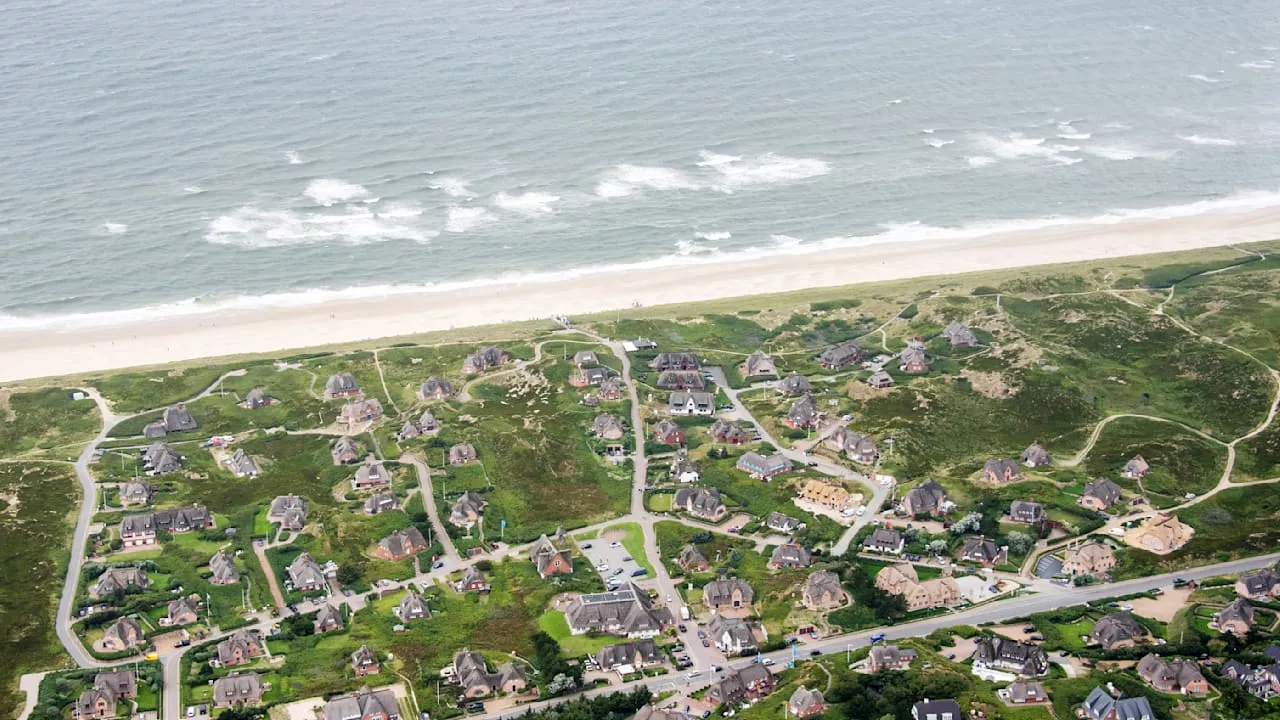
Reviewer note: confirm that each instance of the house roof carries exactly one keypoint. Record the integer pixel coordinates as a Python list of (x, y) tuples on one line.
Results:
[(1099, 706), (403, 542), (1238, 610), (795, 384), (304, 571), (925, 497), (959, 333), (379, 502), (341, 383), (1115, 628), (791, 554), (223, 567), (884, 537), (1025, 658), (365, 703), (689, 555), (720, 592), (700, 500), (1026, 509), (241, 687), (1035, 455), (1103, 490), (781, 523), (803, 699), (611, 656), (821, 583), (977, 547)]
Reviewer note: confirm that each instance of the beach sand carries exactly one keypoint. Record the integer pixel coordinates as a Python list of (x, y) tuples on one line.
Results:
[(51, 352)]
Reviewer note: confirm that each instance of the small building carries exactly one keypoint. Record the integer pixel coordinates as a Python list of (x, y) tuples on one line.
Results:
[(805, 703), (401, 544), (666, 432), (473, 580), (725, 592), (692, 560), (936, 710), (241, 464), (723, 431), (999, 472), (1026, 692), (1090, 558), (222, 569), (701, 502), (239, 649), (381, 502), (467, 510), (999, 653), (585, 358), (485, 358), (856, 446), (690, 403), (584, 377), (731, 635), (358, 411), (238, 689), (1236, 618), (630, 656), (182, 611), (123, 633), (1117, 630), (927, 498), (1035, 456), (472, 673), (290, 511), (1100, 495), (959, 335), (174, 419), (627, 612), (136, 492), (985, 552), (840, 355), (880, 380), (748, 684), (365, 662), (160, 459), (1263, 584), (803, 414), (1172, 676), (823, 591), (341, 385), (119, 580), (462, 453), (790, 555), (552, 557), (370, 476), (890, 657), (1136, 469), (1161, 534), (825, 494), (426, 424), (795, 384), (680, 380), (682, 468), (902, 580), (257, 398), (305, 574), (364, 704), (435, 388), (886, 541), (782, 523), (1101, 706), (608, 427), (328, 619), (913, 360), (108, 690), (1027, 511), (345, 451), (763, 467), (610, 389), (674, 361), (758, 364)]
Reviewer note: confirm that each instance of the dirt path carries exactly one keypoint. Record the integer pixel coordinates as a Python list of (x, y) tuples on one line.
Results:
[(260, 551), (383, 379)]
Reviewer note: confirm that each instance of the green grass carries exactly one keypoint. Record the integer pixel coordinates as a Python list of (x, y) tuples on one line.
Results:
[(634, 543), (137, 391), (761, 498), (35, 536), (1181, 462), (553, 623), (43, 419)]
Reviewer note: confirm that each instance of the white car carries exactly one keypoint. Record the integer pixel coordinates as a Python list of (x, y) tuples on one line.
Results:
[(862, 511), (767, 661), (615, 543), (603, 567)]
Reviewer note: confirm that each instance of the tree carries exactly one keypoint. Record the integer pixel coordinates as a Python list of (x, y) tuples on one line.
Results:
[(1019, 542), (968, 524), (937, 547), (349, 573), (560, 684)]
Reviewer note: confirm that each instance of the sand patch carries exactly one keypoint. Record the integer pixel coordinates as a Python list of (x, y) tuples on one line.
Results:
[(989, 384), (614, 535), (963, 648), (858, 390), (11, 503), (1164, 607), (1014, 632)]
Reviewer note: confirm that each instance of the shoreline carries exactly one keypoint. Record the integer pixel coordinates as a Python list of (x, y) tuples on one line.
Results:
[(38, 353)]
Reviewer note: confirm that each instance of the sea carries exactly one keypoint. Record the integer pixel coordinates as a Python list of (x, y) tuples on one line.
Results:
[(171, 157)]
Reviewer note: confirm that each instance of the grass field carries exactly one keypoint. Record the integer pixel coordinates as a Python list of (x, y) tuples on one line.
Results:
[(1181, 462), (43, 419)]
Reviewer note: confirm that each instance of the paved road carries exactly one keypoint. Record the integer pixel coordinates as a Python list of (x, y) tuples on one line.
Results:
[(429, 502), (994, 612)]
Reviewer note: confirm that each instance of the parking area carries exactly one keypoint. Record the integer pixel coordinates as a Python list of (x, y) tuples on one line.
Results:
[(610, 558), (976, 588)]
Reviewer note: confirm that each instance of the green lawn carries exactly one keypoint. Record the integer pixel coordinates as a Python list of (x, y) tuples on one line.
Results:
[(1181, 462), (554, 624), (43, 419)]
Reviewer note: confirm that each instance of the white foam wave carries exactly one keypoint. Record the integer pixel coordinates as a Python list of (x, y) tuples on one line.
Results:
[(115, 228), (294, 158), (980, 161), (1075, 136), (1258, 64), (251, 227), (710, 159), (939, 143), (714, 236), (766, 169), (1204, 140), (685, 248), (928, 131), (1128, 152), (329, 191), (530, 203), (1018, 146), (399, 212), (781, 245), (1204, 78), (453, 187), (193, 189), (625, 180), (466, 219)]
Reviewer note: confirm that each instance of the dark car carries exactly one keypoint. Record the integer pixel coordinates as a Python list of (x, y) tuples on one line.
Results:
[(585, 546), (681, 627), (815, 653), (706, 642), (701, 634), (638, 572)]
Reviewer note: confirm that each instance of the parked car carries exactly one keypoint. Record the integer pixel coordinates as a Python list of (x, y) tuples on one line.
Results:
[(701, 634), (585, 546), (706, 642), (681, 627), (638, 572), (815, 653), (615, 544)]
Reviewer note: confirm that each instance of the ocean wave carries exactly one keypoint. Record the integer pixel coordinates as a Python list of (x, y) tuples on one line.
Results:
[(713, 236), (294, 158), (251, 227), (1068, 131), (1128, 152), (1017, 146), (530, 203), (980, 161), (766, 169), (1203, 140), (115, 228), (329, 191), (780, 245), (193, 189), (1258, 64), (1204, 78), (453, 187), (685, 248), (625, 180), (466, 219), (939, 143)]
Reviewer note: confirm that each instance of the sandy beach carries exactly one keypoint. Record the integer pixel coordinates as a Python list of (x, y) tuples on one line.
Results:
[(28, 354)]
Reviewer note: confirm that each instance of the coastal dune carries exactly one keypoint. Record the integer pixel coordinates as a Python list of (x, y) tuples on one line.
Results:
[(47, 352)]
